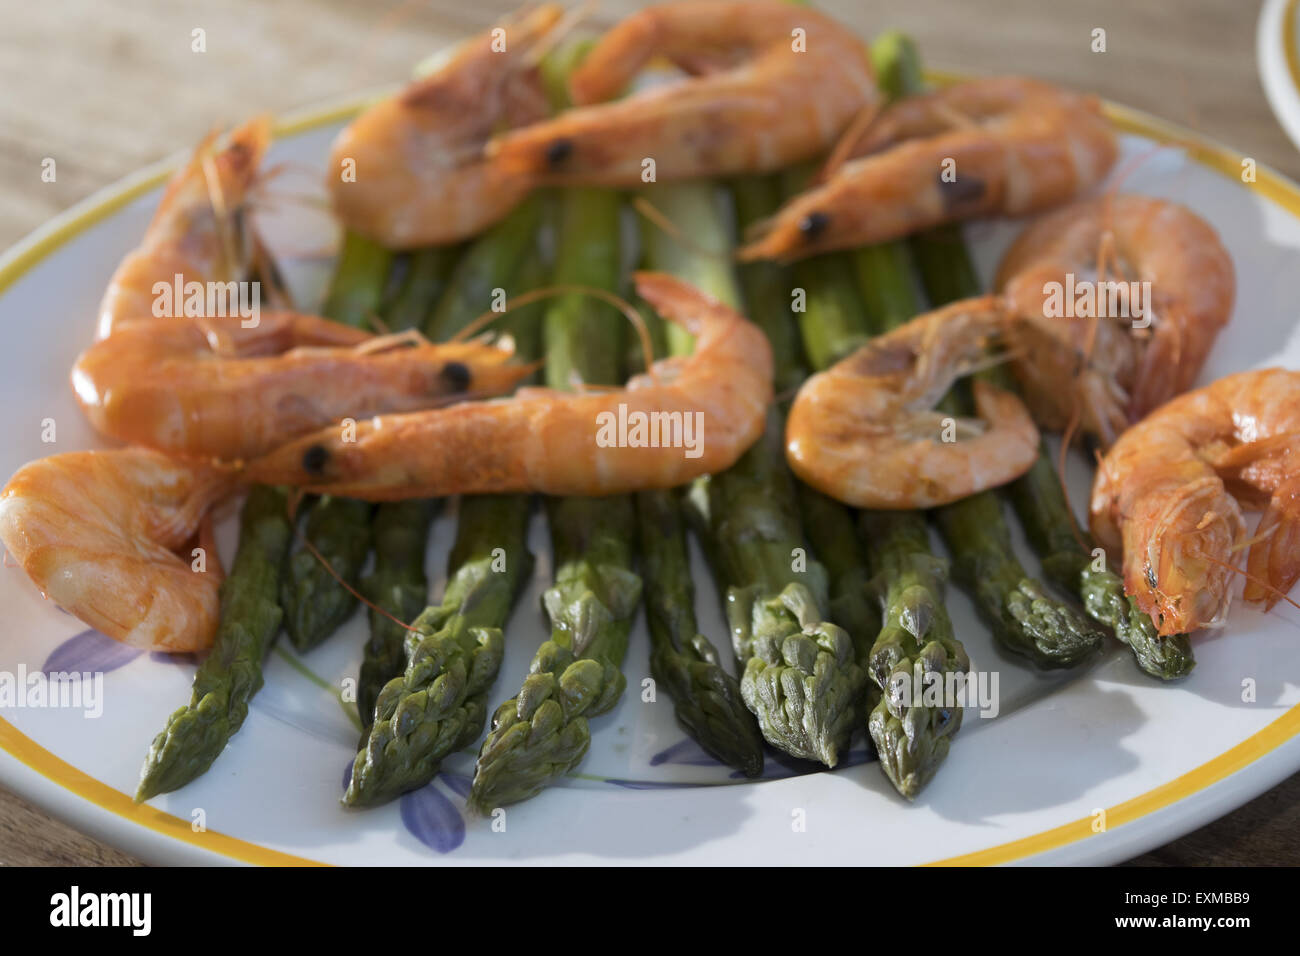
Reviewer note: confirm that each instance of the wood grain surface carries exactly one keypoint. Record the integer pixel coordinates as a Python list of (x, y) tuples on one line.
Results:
[(107, 86)]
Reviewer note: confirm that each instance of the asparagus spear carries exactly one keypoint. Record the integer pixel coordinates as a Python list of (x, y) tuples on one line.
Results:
[(1024, 617), (397, 586), (916, 643), (707, 699), (360, 277), (338, 529), (1047, 520), (799, 676), (410, 731), (543, 732), (439, 703), (232, 672), (489, 264), (766, 285), (829, 525), (428, 272), (314, 602)]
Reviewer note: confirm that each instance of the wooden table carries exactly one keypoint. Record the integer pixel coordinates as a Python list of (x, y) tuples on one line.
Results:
[(106, 86)]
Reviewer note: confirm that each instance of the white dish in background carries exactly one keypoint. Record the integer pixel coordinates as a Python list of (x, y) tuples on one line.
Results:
[(1277, 51), (1161, 760)]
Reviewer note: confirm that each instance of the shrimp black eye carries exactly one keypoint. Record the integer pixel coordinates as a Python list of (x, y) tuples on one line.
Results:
[(314, 458), (559, 151), (814, 224), (456, 375), (958, 192)]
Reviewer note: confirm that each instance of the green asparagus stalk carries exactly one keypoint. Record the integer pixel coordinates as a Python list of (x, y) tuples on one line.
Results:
[(428, 273), (397, 587), (917, 637), (769, 290), (766, 285), (439, 704), (1045, 515), (707, 699), (800, 675), (338, 529), (232, 672), (543, 732), (1024, 617), (488, 265), (315, 603), (917, 642), (360, 279), (410, 732)]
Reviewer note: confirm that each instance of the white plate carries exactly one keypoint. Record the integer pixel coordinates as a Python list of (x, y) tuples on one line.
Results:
[(1277, 51), (1026, 785)]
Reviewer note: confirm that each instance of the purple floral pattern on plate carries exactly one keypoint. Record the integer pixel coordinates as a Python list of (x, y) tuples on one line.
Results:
[(430, 816), (89, 651)]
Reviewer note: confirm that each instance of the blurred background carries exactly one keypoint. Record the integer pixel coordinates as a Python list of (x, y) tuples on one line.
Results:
[(107, 86)]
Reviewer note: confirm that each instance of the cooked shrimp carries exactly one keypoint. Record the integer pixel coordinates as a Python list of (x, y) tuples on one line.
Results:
[(865, 430), (98, 533), (1168, 493), (218, 390), (200, 231), (1126, 371), (1003, 146), (784, 83), (701, 412), (420, 176)]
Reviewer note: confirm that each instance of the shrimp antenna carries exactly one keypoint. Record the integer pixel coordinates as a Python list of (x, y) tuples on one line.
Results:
[(842, 151), (657, 216), (258, 197), (1280, 594), (570, 20), (1065, 488), (629, 311), (1133, 163)]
